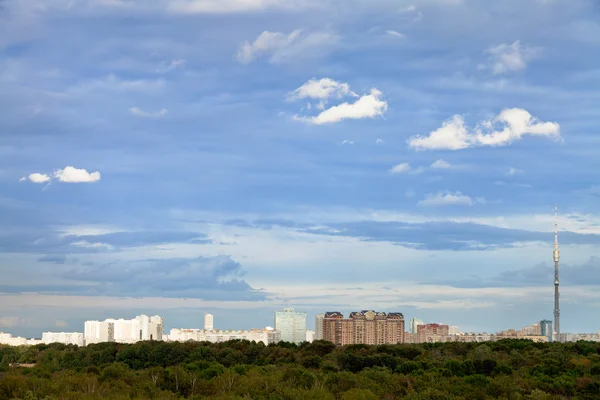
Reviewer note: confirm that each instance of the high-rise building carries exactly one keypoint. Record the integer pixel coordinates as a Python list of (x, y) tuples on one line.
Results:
[(431, 332), (208, 322), (363, 327), (291, 325), (546, 329), (319, 326), (124, 330), (414, 322)]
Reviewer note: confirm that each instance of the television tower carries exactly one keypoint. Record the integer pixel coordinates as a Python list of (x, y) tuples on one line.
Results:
[(556, 256)]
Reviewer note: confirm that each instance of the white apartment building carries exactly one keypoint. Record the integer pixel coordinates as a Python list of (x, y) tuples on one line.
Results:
[(140, 328), (63, 337), (291, 325), (209, 322), (10, 340), (310, 336), (267, 335)]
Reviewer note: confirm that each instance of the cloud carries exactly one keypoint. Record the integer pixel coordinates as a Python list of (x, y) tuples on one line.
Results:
[(9, 322), (449, 199), (348, 142), (281, 47), (73, 175), (226, 6), (379, 141), (441, 164), (140, 113), (514, 123), (322, 89), (514, 171), (36, 178), (506, 58), (367, 106), (395, 34), (400, 168), (55, 259), (209, 278), (410, 193), (173, 64)]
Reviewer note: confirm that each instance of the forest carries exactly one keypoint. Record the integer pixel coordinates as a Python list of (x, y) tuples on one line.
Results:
[(507, 369)]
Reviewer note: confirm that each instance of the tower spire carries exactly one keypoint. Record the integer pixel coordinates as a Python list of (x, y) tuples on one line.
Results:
[(556, 256)]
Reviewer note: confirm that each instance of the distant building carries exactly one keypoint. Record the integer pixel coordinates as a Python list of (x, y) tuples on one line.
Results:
[(546, 329), (140, 328), (414, 322), (453, 330), (208, 322), (267, 335), (310, 336), (319, 326), (291, 325), (10, 340), (364, 327), (431, 332), (63, 337)]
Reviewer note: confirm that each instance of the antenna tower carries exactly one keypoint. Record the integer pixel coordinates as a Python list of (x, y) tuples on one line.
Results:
[(556, 256)]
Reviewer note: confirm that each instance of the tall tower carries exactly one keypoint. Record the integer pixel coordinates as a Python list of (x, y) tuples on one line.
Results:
[(556, 256)]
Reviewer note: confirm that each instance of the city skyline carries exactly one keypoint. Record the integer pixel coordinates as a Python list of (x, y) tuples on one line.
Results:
[(398, 156)]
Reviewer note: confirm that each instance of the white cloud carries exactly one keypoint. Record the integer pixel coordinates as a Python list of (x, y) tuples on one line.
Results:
[(454, 135), (95, 245), (449, 198), (395, 34), (140, 113), (400, 168), (514, 171), (36, 178), (511, 57), (73, 175), (227, 6), (348, 142), (406, 168), (367, 106), (379, 141), (322, 89), (441, 164), (281, 47), (171, 65)]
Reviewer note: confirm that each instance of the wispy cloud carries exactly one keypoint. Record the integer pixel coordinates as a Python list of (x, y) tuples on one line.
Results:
[(167, 66), (227, 6), (506, 58), (450, 199), (406, 168), (141, 113), (322, 89), (515, 123), (348, 141), (514, 171), (395, 34), (280, 47), (441, 164)]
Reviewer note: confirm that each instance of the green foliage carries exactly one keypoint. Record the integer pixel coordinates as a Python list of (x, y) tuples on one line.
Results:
[(509, 369)]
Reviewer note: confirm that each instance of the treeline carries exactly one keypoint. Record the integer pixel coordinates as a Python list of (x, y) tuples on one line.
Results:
[(508, 369)]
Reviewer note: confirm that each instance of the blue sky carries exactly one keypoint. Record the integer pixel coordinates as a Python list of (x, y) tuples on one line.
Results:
[(178, 157)]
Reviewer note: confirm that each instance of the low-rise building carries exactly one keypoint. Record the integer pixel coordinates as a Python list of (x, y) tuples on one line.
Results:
[(63, 337)]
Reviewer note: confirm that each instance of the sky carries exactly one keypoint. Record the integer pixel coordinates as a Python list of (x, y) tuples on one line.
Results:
[(178, 157)]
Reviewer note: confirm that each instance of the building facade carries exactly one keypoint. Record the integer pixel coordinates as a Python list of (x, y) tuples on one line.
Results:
[(319, 326), (141, 328), (209, 322), (267, 335), (363, 327), (291, 325), (430, 332), (63, 337)]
